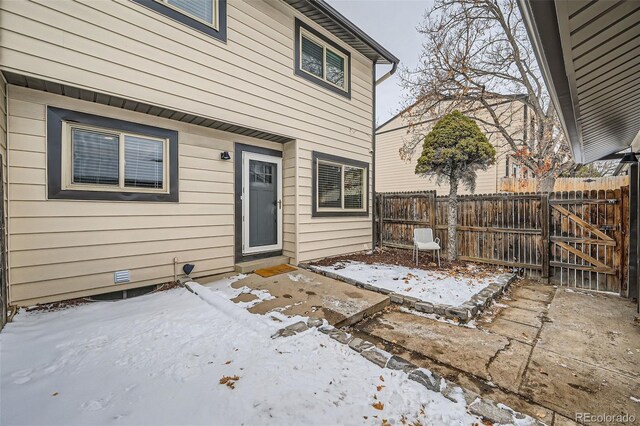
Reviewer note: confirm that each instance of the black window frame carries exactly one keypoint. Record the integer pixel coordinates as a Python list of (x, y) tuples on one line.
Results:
[(315, 212), (56, 117), (220, 33), (307, 76)]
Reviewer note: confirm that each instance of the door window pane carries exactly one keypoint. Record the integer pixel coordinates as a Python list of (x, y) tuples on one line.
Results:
[(312, 57), (335, 68), (260, 172), (202, 9), (143, 163), (95, 157), (353, 188), (329, 185)]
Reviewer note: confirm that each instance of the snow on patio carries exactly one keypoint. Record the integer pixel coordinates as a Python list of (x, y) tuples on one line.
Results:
[(425, 285), (160, 359)]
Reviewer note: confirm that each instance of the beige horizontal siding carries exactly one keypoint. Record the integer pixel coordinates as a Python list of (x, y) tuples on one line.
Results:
[(123, 49), (322, 237), (165, 63), (66, 248)]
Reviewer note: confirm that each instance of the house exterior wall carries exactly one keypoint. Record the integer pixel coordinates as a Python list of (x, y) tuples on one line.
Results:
[(394, 174), (123, 49), (61, 249)]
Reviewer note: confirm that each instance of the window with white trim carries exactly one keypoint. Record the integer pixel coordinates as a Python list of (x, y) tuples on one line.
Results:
[(101, 159), (321, 61), (205, 11), (207, 16), (340, 186)]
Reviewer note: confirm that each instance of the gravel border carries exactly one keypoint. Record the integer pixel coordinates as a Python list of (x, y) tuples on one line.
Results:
[(476, 405), (462, 313)]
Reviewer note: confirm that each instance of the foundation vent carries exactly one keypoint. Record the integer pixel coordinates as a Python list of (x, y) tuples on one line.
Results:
[(121, 277)]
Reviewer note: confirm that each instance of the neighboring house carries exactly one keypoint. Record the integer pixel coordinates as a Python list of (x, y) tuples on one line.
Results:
[(393, 173), (142, 135)]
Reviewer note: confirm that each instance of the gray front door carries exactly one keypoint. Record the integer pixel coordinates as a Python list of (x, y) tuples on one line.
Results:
[(262, 205)]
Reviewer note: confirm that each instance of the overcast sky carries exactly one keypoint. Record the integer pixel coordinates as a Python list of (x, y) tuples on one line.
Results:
[(392, 23)]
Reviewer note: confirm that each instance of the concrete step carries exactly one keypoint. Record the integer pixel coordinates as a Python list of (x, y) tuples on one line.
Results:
[(307, 294), (252, 265)]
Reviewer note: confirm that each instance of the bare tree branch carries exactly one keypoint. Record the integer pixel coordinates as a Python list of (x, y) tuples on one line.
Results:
[(476, 55)]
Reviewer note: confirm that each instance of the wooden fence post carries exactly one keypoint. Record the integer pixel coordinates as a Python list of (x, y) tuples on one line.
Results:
[(624, 239), (380, 206), (546, 247), (433, 211)]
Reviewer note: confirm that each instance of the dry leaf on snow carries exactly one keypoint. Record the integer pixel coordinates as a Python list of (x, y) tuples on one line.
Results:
[(230, 381)]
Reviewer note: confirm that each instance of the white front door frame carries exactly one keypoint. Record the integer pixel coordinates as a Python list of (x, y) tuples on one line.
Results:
[(246, 157)]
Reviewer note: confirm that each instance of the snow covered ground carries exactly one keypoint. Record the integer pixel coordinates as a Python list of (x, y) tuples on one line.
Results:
[(160, 358), (428, 286)]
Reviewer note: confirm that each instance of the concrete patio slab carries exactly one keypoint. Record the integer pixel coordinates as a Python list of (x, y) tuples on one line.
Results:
[(569, 386), (309, 294), (522, 316), (534, 292), (522, 303), (513, 330), (600, 328), (459, 347), (548, 352), (508, 365)]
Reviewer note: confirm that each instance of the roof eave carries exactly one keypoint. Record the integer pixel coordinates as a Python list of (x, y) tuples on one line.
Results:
[(383, 55), (547, 46)]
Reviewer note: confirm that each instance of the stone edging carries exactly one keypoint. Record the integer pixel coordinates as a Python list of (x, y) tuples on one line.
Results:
[(476, 405), (463, 313)]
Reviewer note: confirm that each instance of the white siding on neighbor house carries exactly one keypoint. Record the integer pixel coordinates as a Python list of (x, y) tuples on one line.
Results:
[(123, 49), (394, 174), (58, 246)]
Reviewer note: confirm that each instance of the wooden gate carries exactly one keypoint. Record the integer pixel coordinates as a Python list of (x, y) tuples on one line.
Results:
[(586, 231)]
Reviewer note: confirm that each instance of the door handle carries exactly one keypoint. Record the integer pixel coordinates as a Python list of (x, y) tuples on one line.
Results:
[(280, 204)]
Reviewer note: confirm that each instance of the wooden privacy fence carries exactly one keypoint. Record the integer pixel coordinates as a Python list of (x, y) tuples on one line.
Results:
[(574, 238), (496, 229), (511, 184)]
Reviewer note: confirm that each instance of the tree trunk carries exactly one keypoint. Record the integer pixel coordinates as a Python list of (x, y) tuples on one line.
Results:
[(546, 183), (452, 247)]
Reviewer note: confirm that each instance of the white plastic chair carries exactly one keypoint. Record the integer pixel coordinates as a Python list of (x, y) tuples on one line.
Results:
[(423, 240)]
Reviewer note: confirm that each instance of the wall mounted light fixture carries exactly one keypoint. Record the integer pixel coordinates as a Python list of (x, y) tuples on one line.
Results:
[(188, 268), (225, 155)]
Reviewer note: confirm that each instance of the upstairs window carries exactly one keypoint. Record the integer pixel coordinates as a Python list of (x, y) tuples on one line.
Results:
[(321, 61), (204, 10), (340, 186), (207, 16)]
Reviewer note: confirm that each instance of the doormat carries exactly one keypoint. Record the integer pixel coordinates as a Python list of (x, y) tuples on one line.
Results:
[(274, 270)]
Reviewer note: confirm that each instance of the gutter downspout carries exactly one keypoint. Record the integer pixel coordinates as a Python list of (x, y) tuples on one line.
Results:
[(374, 84), (392, 71), (5, 256)]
